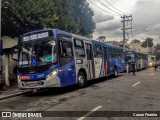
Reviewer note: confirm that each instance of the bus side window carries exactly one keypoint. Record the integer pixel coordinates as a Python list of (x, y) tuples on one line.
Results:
[(66, 50), (98, 51), (79, 48)]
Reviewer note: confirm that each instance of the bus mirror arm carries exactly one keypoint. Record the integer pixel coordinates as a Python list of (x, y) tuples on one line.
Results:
[(14, 59)]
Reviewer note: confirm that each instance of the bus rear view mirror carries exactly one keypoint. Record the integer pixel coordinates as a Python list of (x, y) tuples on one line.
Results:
[(13, 53), (14, 59)]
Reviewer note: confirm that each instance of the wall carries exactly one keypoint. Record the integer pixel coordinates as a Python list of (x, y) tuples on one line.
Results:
[(9, 42), (9, 64)]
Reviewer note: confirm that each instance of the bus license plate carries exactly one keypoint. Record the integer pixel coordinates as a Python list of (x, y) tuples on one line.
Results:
[(32, 84)]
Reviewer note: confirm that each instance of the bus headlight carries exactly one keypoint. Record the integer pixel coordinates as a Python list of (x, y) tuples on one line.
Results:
[(150, 64), (52, 74)]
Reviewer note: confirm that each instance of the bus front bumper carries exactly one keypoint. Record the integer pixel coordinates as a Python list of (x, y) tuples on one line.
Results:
[(46, 83)]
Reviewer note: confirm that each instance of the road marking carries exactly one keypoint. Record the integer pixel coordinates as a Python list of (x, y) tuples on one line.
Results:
[(136, 83), (95, 109)]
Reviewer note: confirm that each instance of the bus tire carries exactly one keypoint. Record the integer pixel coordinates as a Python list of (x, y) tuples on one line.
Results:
[(115, 72), (1, 86), (81, 79)]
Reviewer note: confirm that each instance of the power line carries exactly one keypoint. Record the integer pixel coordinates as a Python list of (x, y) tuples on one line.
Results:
[(103, 9), (137, 30), (108, 7), (115, 7)]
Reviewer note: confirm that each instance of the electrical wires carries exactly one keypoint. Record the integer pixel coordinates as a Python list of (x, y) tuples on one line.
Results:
[(116, 8), (103, 9), (108, 7), (137, 29)]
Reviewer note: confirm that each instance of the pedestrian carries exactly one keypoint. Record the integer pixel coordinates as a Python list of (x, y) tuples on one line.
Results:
[(133, 67), (127, 68), (155, 66)]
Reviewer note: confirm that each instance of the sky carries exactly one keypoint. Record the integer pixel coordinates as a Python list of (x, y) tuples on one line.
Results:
[(146, 16)]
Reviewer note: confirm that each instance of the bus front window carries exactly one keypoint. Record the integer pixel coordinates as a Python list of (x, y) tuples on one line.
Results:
[(38, 53), (129, 57)]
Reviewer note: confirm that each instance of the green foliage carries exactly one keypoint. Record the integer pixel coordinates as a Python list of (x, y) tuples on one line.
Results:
[(121, 45), (147, 43), (135, 41), (66, 20), (102, 38), (83, 17), (157, 51), (21, 16)]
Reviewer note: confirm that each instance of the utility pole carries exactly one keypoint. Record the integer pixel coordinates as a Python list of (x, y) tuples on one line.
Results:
[(124, 32), (0, 17), (124, 19)]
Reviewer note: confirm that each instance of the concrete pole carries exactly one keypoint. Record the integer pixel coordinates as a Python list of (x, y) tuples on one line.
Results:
[(6, 70), (0, 18), (124, 33)]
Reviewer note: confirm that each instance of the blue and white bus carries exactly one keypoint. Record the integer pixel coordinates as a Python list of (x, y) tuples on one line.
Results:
[(140, 59), (151, 60), (55, 58)]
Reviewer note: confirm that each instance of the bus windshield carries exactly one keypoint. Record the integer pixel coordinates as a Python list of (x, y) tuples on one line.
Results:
[(129, 57), (38, 53)]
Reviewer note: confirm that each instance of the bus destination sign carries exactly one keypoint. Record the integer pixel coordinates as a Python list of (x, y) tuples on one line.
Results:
[(35, 36)]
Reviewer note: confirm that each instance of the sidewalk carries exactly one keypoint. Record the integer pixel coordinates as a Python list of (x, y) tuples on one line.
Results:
[(12, 91)]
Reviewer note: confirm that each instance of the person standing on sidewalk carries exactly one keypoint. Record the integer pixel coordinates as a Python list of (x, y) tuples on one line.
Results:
[(155, 66), (133, 66)]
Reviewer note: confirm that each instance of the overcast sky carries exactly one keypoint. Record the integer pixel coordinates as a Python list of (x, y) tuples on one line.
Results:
[(146, 15)]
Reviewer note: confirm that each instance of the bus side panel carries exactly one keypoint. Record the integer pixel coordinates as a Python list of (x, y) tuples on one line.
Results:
[(98, 65), (102, 74), (67, 74), (106, 64), (121, 63), (112, 62)]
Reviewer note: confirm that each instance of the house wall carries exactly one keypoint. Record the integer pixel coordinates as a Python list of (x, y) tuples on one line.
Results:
[(9, 64)]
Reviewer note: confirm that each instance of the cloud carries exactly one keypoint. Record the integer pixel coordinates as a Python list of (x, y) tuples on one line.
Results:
[(107, 26), (98, 18), (146, 14), (155, 27)]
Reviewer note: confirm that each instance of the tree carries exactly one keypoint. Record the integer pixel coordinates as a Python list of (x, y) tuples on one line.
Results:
[(147, 43), (66, 20), (20, 16), (102, 38), (135, 41), (157, 51), (83, 16), (121, 45)]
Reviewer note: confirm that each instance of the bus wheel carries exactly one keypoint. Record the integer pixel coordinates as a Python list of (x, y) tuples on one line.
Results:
[(81, 79), (1, 86), (115, 72)]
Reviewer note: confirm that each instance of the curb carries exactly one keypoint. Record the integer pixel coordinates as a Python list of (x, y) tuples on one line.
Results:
[(14, 95)]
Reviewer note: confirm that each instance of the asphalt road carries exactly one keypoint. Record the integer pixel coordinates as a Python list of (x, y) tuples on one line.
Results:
[(124, 93)]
